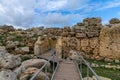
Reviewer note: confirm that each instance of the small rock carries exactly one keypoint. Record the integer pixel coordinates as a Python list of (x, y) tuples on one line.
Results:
[(101, 78), (73, 55), (94, 65), (108, 66), (87, 78), (108, 60), (117, 61), (25, 49)]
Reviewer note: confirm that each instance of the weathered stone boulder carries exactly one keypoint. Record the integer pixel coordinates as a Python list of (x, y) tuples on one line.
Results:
[(93, 33), (2, 49), (114, 21), (34, 63), (7, 75), (73, 55), (19, 70), (42, 45), (64, 34), (92, 21), (66, 29), (22, 50), (29, 42), (28, 73), (11, 38), (38, 46), (80, 35), (7, 28), (58, 47), (9, 61), (79, 28), (110, 42), (11, 44)]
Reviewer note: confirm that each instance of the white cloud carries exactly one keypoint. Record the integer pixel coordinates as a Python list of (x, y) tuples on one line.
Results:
[(22, 12), (57, 19), (50, 5), (53, 5), (17, 12), (109, 4)]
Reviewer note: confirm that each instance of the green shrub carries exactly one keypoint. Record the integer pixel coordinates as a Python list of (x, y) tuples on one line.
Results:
[(24, 58)]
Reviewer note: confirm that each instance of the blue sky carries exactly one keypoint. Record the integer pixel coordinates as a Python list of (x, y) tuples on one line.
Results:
[(55, 13)]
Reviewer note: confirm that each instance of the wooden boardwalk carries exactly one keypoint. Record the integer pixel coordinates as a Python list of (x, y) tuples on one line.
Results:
[(67, 70)]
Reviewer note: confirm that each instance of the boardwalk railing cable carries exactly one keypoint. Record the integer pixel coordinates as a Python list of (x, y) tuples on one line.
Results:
[(52, 57), (82, 60)]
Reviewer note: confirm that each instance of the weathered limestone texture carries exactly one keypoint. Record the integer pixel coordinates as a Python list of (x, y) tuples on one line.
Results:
[(110, 41)]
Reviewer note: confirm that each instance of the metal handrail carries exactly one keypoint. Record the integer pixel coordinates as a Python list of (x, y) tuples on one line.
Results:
[(40, 70), (55, 71), (78, 71), (88, 67)]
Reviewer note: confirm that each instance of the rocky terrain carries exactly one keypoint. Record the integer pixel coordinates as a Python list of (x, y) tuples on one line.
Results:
[(90, 37)]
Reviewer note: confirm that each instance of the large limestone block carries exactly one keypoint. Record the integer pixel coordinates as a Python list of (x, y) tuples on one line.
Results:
[(84, 42), (94, 42), (110, 42), (29, 73), (92, 21), (59, 47), (114, 21), (9, 61), (37, 46), (35, 63), (42, 45)]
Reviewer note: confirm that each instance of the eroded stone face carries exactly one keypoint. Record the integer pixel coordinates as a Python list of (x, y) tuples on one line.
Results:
[(35, 63), (9, 61), (30, 71), (110, 42), (89, 36)]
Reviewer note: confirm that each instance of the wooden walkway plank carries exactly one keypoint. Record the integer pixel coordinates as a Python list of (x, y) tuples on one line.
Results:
[(67, 71)]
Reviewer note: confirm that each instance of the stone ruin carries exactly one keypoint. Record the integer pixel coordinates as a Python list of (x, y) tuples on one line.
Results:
[(89, 37)]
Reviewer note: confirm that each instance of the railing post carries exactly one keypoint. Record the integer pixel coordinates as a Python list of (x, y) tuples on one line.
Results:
[(88, 67), (46, 73), (81, 65), (53, 62), (87, 73)]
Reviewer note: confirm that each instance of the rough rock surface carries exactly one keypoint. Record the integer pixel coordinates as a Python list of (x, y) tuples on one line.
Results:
[(110, 42), (42, 45), (30, 71), (59, 47), (34, 63), (114, 21), (9, 61), (22, 50)]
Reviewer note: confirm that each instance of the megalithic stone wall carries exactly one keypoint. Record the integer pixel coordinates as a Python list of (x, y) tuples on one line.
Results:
[(90, 37), (110, 41), (82, 37)]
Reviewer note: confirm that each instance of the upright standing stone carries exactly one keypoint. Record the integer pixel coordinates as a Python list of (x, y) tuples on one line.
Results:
[(59, 47), (37, 47)]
